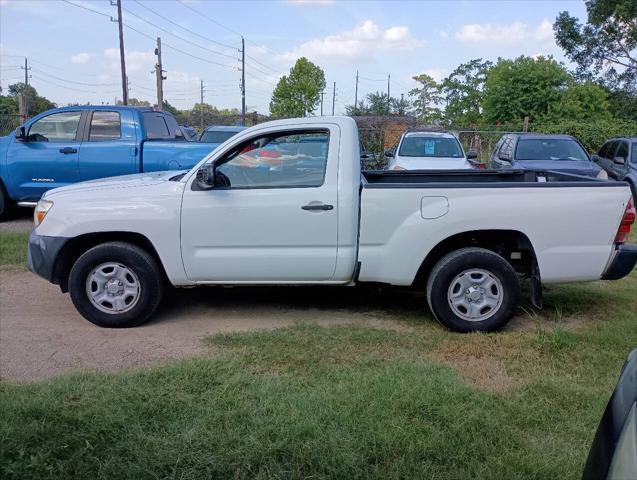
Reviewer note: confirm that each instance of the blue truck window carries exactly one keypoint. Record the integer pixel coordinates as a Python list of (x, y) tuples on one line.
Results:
[(105, 126), (57, 127), (156, 127)]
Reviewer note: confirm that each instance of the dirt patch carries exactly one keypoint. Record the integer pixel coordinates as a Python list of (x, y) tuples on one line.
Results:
[(42, 335)]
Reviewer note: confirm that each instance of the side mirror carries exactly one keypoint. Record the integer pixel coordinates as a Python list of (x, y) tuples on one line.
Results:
[(206, 177), (20, 133), (472, 155), (595, 158), (504, 157), (620, 160), (389, 153)]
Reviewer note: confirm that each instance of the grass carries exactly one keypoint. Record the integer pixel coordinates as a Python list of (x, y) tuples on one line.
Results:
[(341, 402), (13, 250)]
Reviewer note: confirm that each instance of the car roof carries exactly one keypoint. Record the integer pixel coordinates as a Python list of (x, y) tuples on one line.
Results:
[(105, 107), (544, 136), (224, 128), (630, 139), (430, 134)]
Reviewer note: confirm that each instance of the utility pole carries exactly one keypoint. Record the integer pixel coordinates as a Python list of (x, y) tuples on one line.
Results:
[(243, 81), (122, 57), (356, 95), (159, 73), (322, 93), (333, 98), (388, 94), (24, 112), (201, 105)]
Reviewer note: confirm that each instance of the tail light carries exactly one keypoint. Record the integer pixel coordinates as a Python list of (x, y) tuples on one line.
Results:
[(623, 232)]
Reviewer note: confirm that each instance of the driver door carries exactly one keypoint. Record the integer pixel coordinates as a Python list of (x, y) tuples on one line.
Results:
[(48, 158), (273, 217)]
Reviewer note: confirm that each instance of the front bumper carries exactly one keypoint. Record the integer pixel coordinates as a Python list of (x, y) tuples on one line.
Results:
[(622, 263), (42, 254)]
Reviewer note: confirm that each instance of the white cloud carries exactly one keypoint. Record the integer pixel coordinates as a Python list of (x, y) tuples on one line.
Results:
[(438, 74), (135, 60), (81, 58), (513, 34), (358, 44)]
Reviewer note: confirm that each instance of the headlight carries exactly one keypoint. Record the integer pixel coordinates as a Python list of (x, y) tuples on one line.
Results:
[(41, 209), (602, 175)]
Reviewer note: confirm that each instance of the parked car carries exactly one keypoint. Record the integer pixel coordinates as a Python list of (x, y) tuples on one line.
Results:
[(618, 157), (535, 151), (72, 144), (217, 134), (421, 150), (613, 455), (189, 133), (308, 216)]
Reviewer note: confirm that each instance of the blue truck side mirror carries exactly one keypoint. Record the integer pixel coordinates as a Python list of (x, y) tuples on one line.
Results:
[(20, 133)]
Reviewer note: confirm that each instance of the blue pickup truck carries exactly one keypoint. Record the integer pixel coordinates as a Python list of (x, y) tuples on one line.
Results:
[(73, 144)]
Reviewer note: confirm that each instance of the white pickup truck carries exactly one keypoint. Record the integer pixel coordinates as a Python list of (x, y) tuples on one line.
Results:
[(285, 203)]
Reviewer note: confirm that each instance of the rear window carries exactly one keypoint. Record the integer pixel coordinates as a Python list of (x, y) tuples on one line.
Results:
[(156, 127), (549, 149), (212, 136), (435, 147)]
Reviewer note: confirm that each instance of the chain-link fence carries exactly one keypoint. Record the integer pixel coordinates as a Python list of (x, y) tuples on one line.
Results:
[(200, 121)]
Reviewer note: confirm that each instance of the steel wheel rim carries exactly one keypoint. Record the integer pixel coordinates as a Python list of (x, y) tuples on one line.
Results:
[(475, 295), (113, 288)]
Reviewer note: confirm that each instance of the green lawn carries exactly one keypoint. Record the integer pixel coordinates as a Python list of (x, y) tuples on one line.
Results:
[(13, 250), (341, 402)]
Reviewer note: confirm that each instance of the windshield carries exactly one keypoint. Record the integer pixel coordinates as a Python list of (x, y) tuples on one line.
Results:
[(212, 136), (550, 149), (435, 147)]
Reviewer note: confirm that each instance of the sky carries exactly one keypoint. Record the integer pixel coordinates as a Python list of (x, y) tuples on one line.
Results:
[(73, 53)]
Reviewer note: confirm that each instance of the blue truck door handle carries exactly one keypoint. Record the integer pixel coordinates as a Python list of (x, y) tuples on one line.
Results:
[(317, 206), (68, 150)]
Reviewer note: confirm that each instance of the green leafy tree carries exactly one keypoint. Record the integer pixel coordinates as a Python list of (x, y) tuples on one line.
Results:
[(522, 87), (400, 106), (463, 90), (605, 47), (585, 102), (426, 98), (134, 102), (35, 103), (298, 94)]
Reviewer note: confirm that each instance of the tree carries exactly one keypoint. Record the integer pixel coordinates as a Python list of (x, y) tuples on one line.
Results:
[(377, 103), (400, 106), (134, 102), (605, 48), (35, 103), (522, 87), (463, 90), (299, 93), (585, 102), (426, 98)]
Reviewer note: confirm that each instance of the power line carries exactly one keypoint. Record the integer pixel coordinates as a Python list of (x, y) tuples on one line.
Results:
[(63, 86), (178, 36), (209, 18), (73, 82), (184, 28), (89, 9)]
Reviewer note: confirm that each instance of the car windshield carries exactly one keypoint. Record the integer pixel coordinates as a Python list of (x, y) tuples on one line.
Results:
[(436, 147), (216, 136), (549, 149)]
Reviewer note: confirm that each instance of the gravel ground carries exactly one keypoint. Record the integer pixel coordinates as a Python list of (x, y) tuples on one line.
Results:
[(20, 220), (41, 334)]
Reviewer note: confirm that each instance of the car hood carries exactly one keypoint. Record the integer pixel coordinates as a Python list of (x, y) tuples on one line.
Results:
[(588, 169), (116, 183), (428, 163)]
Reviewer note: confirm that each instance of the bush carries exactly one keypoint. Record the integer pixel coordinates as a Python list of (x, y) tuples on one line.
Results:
[(592, 135)]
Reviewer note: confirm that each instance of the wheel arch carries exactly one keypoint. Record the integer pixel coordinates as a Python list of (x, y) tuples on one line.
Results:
[(76, 246), (503, 242)]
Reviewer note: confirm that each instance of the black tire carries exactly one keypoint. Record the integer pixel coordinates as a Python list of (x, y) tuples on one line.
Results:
[(5, 203), (446, 272), (137, 261)]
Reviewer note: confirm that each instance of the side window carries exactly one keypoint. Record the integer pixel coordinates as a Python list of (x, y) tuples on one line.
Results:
[(105, 126), (58, 127), (156, 127), (634, 154), (287, 159), (622, 150), (507, 148), (603, 152), (610, 153)]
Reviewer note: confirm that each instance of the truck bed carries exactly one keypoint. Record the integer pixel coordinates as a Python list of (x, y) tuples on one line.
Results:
[(477, 178)]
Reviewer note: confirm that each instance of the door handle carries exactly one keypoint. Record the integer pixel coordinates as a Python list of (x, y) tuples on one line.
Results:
[(68, 150), (317, 206)]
